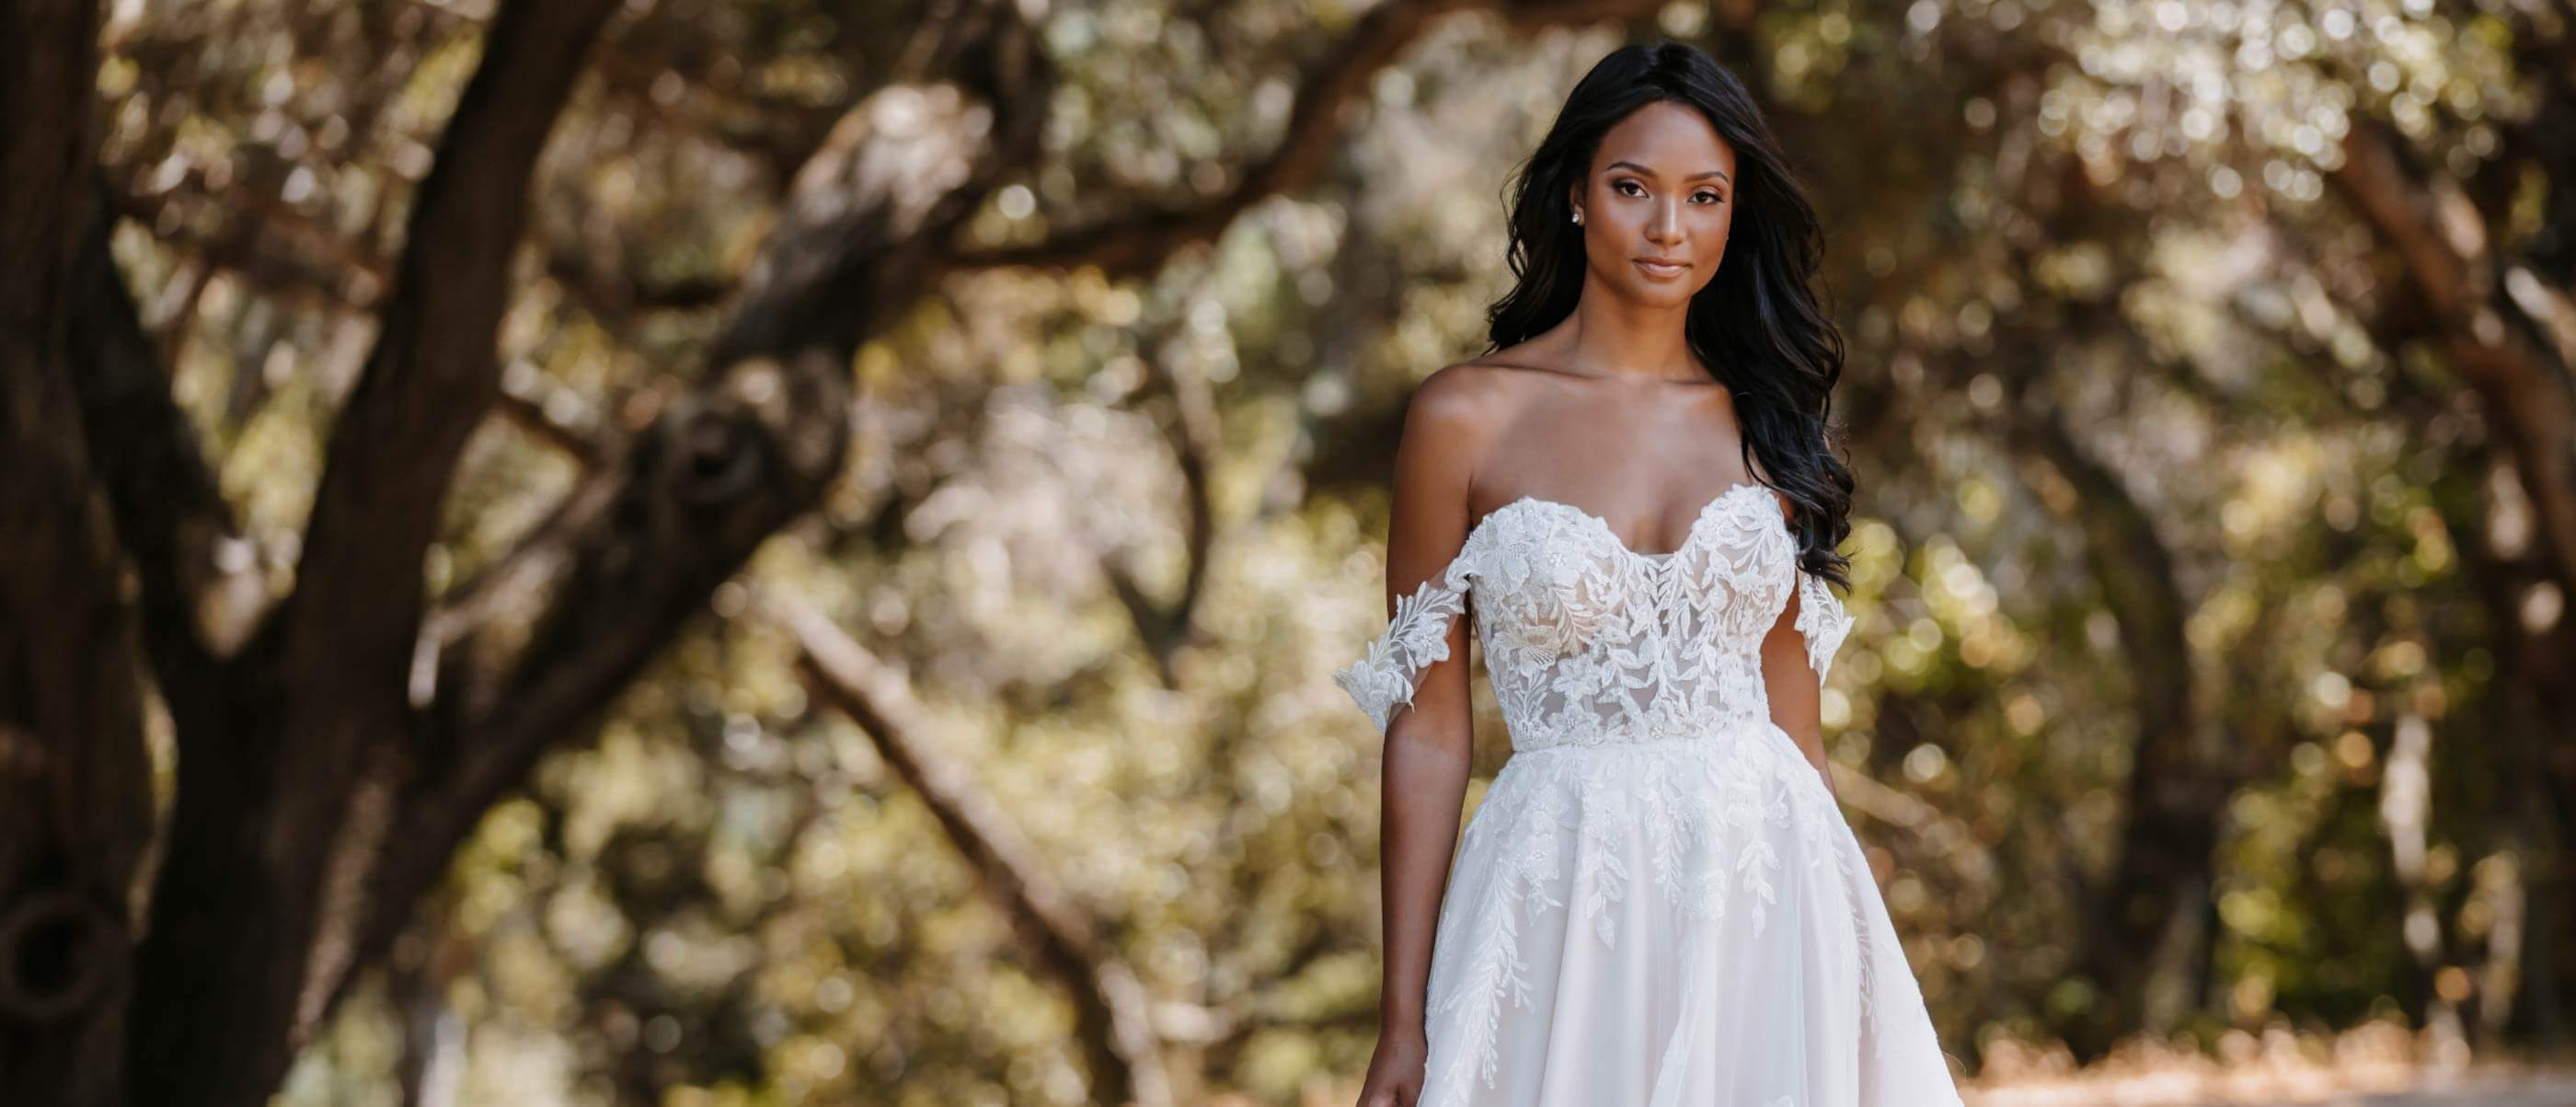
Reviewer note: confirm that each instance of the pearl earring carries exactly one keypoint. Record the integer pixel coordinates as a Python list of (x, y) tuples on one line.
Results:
[(1578, 217)]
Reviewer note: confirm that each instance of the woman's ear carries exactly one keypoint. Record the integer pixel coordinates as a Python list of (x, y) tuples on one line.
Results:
[(1574, 199)]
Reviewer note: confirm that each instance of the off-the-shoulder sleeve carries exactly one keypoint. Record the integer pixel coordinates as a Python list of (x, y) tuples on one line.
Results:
[(1416, 636), (1822, 620)]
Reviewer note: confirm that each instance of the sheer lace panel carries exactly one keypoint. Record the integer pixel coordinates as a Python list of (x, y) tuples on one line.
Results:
[(1588, 642)]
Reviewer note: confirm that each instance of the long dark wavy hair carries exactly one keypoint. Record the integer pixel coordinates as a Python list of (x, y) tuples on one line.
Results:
[(1757, 325)]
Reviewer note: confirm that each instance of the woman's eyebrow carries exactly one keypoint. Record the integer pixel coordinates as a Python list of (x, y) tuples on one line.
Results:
[(1692, 177)]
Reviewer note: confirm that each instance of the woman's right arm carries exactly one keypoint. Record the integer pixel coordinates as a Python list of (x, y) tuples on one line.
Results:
[(1423, 771)]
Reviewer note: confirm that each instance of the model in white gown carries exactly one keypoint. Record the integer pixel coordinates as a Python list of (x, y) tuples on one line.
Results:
[(1658, 903)]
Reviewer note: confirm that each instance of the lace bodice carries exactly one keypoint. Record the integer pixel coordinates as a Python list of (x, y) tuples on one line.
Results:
[(1588, 642)]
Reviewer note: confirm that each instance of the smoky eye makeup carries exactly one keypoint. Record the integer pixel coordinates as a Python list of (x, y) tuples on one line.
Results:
[(1713, 195)]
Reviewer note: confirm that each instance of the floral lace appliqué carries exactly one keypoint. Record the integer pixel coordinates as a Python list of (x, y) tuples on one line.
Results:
[(1588, 642), (1649, 791)]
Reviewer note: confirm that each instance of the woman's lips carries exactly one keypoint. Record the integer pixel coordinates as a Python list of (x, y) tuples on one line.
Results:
[(1661, 271)]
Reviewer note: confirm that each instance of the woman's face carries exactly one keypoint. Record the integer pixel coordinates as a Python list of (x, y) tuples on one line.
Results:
[(1661, 188)]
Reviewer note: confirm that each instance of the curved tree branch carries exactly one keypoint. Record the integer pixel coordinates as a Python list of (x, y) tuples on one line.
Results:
[(274, 835), (171, 516), (711, 473), (1317, 121), (1111, 1004), (2495, 344)]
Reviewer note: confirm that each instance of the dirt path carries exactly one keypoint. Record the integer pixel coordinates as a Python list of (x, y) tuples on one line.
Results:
[(2431, 1091), (2551, 1093)]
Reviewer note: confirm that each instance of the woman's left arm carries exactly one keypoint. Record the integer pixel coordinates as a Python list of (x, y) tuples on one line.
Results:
[(1797, 691)]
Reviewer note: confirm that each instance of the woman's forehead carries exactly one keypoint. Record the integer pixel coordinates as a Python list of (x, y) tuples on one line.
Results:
[(1666, 139)]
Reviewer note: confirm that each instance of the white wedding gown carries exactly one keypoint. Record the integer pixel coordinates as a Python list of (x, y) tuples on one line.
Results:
[(1657, 904)]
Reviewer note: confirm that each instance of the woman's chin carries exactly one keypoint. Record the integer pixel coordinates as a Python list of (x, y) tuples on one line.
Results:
[(1659, 293)]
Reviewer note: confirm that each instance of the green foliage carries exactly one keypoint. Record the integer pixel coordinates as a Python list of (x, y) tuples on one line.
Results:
[(2114, 219)]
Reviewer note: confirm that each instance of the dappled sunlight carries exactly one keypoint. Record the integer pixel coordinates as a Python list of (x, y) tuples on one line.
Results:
[(839, 603)]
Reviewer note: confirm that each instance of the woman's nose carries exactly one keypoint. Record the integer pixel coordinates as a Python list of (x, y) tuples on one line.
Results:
[(1666, 224)]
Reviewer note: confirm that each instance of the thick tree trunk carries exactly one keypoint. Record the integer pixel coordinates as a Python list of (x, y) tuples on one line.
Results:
[(75, 812), (291, 785), (2147, 926), (332, 752), (2502, 321), (2535, 684)]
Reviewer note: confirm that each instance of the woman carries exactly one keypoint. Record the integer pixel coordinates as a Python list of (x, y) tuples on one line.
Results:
[(1658, 902)]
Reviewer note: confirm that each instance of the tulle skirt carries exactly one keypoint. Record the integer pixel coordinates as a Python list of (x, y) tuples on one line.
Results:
[(1676, 923)]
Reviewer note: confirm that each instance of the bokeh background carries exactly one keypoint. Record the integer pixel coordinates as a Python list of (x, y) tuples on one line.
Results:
[(701, 553)]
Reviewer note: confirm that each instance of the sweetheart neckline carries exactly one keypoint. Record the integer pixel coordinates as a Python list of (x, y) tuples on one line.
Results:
[(1689, 536)]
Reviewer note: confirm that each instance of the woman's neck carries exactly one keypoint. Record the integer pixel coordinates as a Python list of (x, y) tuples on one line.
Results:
[(1631, 341)]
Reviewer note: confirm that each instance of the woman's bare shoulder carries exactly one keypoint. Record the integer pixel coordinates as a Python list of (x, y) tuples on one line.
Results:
[(1461, 406)]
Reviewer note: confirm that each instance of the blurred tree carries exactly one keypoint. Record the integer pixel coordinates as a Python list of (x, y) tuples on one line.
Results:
[(389, 386), (335, 742)]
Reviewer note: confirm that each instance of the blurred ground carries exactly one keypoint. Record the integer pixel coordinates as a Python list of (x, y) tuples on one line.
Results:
[(2375, 1065), (2460, 1090)]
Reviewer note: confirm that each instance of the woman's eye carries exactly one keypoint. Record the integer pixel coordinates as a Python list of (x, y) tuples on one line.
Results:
[(1710, 196), (1623, 186)]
